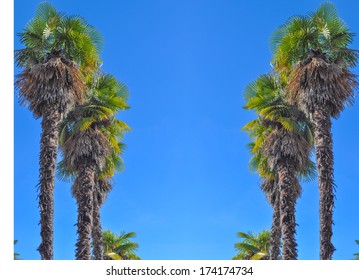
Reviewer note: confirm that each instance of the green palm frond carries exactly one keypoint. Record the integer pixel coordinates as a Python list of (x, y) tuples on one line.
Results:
[(63, 173), (16, 255), (253, 246), (356, 256), (113, 256), (321, 30), (119, 246), (105, 99), (246, 247), (50, 30)]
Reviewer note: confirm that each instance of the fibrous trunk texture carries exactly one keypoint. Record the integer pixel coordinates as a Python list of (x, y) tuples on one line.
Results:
[(324, 156), (86, 174), (287, 210), (48, 154), (97, 230), (275, 232)]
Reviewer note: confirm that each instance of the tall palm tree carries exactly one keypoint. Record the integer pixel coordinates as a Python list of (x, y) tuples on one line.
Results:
[(90, 143), (85, 152), (253, 246), (108, 93), (59, 51), (119, 246), (314, 51), (281, 147)]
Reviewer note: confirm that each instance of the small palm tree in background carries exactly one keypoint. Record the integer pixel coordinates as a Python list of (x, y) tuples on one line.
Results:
[(312, 54), (357, 254), (119, 246), (253, 247), (16, 255), (59, 52)]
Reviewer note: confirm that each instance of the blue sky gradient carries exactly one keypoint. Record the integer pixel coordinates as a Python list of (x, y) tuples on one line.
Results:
[(186, 188)]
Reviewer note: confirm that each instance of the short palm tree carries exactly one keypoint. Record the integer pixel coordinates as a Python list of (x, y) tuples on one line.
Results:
[(312, 54), (119, 246), (356, 256), (16, 255), (59, 51), (281, 150), (253, 247), (90, 143)]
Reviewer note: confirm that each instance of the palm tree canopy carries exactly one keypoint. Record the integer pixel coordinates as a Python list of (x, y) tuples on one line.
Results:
[(119, 246), (266, 97), (16, 255), (58, 51), (96, 117), (253, 246), (51, 31), (357, 254), (321, 31), (312, 52)]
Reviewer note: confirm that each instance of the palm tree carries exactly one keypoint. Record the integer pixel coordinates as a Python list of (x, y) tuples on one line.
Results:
[(314, 51), (253, 247), (85, 152), (281, 150), (90, 143), (357, 254), (107, 92), (16, 255), (59, 51), (119, 247)]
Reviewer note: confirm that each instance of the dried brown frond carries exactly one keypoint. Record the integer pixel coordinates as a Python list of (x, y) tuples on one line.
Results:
[(316, 82), (282, 146), (89, 146), (56, 83)]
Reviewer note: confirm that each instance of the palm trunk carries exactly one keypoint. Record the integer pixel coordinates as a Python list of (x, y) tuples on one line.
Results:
[(275, 232), (324, 156), (287, 210), (97, 229), (48, 153), (86, 175)]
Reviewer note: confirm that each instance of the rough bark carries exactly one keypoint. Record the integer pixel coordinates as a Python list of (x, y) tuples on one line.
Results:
[(97, 230), (275, 232), (287, 210), (86, 174), (48, 154), (324, 156)]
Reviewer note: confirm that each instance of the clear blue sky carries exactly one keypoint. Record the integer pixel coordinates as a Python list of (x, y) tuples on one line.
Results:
[(186, 188)]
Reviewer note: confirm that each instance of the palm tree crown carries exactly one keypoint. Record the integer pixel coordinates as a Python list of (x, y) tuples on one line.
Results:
[(119, 246), (253, 246)]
